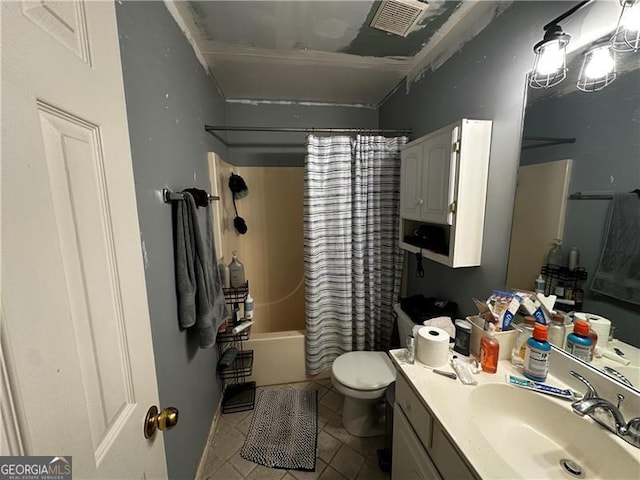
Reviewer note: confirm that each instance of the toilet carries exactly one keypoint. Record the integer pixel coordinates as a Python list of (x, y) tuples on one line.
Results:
[(362, 377)]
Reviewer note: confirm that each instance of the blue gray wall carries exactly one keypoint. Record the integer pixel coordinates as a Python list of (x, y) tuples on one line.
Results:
[(169, 99), (484, 80), (286, 149), (606, 157)]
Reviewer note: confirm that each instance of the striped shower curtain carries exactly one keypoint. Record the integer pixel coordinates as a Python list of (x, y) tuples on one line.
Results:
[(352, 261)]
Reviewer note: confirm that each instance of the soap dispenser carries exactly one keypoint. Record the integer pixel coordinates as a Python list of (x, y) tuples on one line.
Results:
[(489, 351)]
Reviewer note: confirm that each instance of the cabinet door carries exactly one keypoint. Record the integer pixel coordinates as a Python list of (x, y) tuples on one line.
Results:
[(410, 183), (438, 178), (410, 460)]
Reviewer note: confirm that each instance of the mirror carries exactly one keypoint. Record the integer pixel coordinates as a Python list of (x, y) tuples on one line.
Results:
[(605, 159)]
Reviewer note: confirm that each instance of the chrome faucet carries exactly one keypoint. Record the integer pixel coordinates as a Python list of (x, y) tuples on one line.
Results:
[(591, 404)]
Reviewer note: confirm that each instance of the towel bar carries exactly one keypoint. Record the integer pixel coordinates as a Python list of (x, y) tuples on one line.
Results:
[(168, 196)]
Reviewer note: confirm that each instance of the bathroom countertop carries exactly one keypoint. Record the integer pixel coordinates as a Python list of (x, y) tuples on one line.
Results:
[(449, 402)]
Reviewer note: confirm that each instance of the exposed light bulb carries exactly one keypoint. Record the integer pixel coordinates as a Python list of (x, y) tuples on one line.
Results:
[(600, 63), (551, 58), (631, 18)]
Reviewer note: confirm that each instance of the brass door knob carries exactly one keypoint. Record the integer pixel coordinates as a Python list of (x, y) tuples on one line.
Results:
[(163, 420)]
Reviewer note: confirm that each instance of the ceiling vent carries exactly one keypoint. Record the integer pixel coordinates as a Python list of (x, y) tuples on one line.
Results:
[(398, 16)]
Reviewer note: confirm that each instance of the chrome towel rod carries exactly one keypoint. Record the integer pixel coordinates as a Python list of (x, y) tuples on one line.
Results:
[(169, 196), (227, 128), (591, 196)]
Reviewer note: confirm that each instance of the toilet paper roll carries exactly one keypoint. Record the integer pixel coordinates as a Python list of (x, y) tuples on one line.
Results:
[(600, 325), (433, 346)]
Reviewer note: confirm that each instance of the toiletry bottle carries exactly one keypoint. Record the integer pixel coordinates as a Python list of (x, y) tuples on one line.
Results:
[(557, 331), (539, 285), (224, 273), (248, 307), (236, 272), (411, 349), (556, 254), (578, 342), (489, 350), (237, 318), (536, 357), (526, 330), (574, 258)]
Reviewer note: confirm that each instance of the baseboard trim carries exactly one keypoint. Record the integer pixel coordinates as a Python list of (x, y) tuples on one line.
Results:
[(209, 442)]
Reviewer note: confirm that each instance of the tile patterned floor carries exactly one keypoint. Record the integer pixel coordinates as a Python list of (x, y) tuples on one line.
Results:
[(341, 456)]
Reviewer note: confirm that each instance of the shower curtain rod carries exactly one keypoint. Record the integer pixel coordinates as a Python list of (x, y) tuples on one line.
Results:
[(212, 128)]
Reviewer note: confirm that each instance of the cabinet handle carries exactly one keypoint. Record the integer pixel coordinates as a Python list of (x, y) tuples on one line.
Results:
[(420, 202)]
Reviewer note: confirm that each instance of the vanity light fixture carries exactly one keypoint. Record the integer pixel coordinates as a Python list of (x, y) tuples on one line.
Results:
[(549, 67), (598, 69), (627, 35)]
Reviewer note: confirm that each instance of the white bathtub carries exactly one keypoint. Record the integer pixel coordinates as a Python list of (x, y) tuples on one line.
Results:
[(278, 357)]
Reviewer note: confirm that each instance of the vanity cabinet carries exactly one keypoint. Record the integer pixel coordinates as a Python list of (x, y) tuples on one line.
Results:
[(421, 449), (444, 188)]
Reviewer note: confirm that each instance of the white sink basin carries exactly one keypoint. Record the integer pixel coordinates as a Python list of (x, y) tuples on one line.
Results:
[(533, 434)]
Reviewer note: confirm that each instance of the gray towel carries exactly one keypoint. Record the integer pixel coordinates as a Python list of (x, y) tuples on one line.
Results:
[(200, 296), (618, 273)]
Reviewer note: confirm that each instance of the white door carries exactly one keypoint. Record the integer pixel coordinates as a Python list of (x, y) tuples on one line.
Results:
[(538, 218), (76, 338), (436, 175), (410, 183)]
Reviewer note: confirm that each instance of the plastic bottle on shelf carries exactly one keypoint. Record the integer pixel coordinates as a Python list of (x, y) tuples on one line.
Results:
[(489, 351), (248, 307), (223, 268), (526, 330), (557, 333), (579, 343), (574, 258), (539, 285), (236, 272), (556, 254), (536, 357)]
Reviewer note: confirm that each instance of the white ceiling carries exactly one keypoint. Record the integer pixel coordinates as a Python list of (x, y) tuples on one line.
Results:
[(321, 51)]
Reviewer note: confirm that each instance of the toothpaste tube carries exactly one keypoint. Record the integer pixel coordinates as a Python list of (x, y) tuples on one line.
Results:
[(567, 394)]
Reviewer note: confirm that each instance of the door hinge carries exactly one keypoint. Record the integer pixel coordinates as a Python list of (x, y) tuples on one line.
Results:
[(452, 207), (456, 146)]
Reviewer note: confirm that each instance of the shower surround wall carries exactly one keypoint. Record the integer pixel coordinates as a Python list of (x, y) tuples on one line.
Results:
[(169, 99), (272, 163), (484, 80)]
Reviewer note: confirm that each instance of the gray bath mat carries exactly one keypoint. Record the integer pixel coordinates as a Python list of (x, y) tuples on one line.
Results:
[(284, 430)]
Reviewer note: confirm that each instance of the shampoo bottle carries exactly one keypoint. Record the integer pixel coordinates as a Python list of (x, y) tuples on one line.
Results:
[(489, 350), (536, 357), (224, 273), (236, 272)]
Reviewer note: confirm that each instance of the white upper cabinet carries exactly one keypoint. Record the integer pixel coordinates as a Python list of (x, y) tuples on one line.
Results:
[(444, 183), (411, 190)]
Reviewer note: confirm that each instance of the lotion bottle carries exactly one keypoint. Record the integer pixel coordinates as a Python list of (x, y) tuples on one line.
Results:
[(248, 307), (236, 272)]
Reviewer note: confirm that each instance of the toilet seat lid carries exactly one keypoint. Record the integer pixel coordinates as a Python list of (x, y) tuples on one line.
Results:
[(364, 370)]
